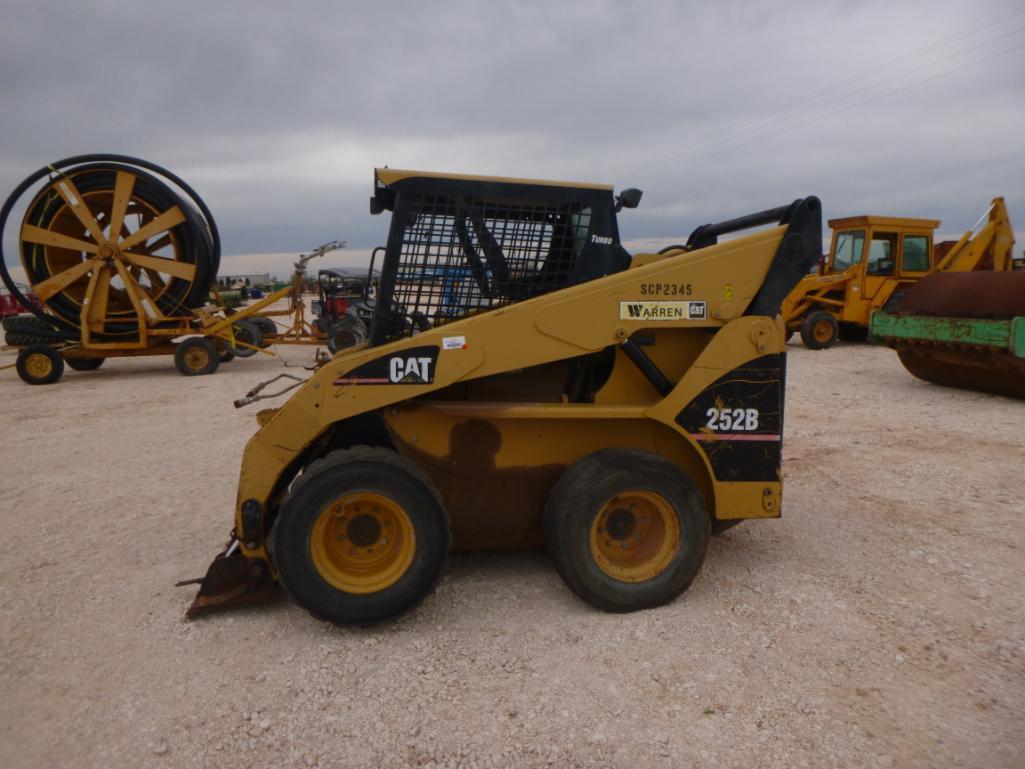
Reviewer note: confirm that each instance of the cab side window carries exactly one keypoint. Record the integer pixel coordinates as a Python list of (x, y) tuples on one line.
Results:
[(881, 255), (915, 257)]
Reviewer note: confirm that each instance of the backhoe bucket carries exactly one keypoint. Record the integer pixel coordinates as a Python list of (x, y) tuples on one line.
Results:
[(962, 330)]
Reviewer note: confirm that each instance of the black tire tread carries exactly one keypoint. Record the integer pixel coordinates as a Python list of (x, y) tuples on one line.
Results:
[(585, 475), (361, 453)]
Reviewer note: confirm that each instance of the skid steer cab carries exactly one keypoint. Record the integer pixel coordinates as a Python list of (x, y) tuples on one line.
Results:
[(527, 383)]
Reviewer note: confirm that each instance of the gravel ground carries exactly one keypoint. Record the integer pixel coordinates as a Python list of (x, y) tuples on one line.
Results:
[(879, 623)]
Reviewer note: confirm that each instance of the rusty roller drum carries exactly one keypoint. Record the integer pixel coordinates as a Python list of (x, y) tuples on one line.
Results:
[(963, 329), (104, 237)]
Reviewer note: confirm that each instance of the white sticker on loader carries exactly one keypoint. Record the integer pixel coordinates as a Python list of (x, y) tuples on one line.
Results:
[(662, 311), (453, 343)]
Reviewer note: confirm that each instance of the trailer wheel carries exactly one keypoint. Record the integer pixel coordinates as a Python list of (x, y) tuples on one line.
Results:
[(361, 538), (819, 330), (627, 530), (39, 364), (267, 328), (248, 333), (225, 352), (84, 364), (196, 356)]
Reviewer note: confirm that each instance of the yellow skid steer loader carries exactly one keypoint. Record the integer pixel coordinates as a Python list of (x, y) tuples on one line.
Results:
[(526, 383)]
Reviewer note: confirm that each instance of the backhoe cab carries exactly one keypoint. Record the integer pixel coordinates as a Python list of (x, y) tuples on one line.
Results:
[(874, 260)]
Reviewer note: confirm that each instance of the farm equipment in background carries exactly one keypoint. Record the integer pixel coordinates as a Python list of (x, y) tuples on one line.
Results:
[(345, 305), (874, 260), (526, 382), (10, 305), (122, 256)]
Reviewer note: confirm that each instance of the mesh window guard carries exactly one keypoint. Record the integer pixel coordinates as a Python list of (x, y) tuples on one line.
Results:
[(459, 255)]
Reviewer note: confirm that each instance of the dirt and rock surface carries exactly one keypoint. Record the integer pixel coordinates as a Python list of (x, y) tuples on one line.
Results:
[(879, 623)]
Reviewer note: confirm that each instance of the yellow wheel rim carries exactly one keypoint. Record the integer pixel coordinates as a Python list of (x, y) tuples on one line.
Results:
[(823, 331), (38, 365), (635, 536), (197, 358), (362, 543)]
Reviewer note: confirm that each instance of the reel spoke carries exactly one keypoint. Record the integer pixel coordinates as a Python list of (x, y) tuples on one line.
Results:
[(42, 237), (96, 297), (67, 190), (62, 280), (181, 270), (170, 218), (158, 244), (138, 295), (123, 186), (154, 278)]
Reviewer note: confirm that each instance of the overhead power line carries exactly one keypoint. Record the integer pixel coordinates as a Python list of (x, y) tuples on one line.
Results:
[(724, 141)]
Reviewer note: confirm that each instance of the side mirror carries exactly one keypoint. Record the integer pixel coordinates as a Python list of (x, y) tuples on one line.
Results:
[(628, 198)]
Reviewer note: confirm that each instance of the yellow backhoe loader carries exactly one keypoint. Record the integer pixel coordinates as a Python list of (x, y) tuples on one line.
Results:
[(526, 383), (874, 260)]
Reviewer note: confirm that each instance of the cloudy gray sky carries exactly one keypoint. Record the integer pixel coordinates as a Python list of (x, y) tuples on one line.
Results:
[(278, 112)]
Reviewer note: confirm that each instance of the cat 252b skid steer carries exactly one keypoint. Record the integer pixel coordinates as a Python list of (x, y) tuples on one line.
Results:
[(526, 383)]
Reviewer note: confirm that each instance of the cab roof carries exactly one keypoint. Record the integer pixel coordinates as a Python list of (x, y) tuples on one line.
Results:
[(389, 176), (902, 222)]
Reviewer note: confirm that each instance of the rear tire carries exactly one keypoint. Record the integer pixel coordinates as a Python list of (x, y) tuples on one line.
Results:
[(361, 537), (626, 529), (39, 364), (225, 352), (248, 333), (267, 328), (84, 364), (819, 330)]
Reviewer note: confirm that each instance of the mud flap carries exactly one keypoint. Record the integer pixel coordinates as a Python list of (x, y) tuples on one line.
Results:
[(232, 579)]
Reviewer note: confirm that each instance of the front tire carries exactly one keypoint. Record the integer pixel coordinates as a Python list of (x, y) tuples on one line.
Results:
[(39, 364), (361, 538), (196, 356), (819, 330), (627, 529)]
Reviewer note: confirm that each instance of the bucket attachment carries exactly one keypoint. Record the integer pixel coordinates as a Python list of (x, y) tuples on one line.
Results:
[(962, 330), (231, 579)]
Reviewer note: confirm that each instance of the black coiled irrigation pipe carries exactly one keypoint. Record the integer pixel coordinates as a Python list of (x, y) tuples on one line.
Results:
[(197, 236)]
